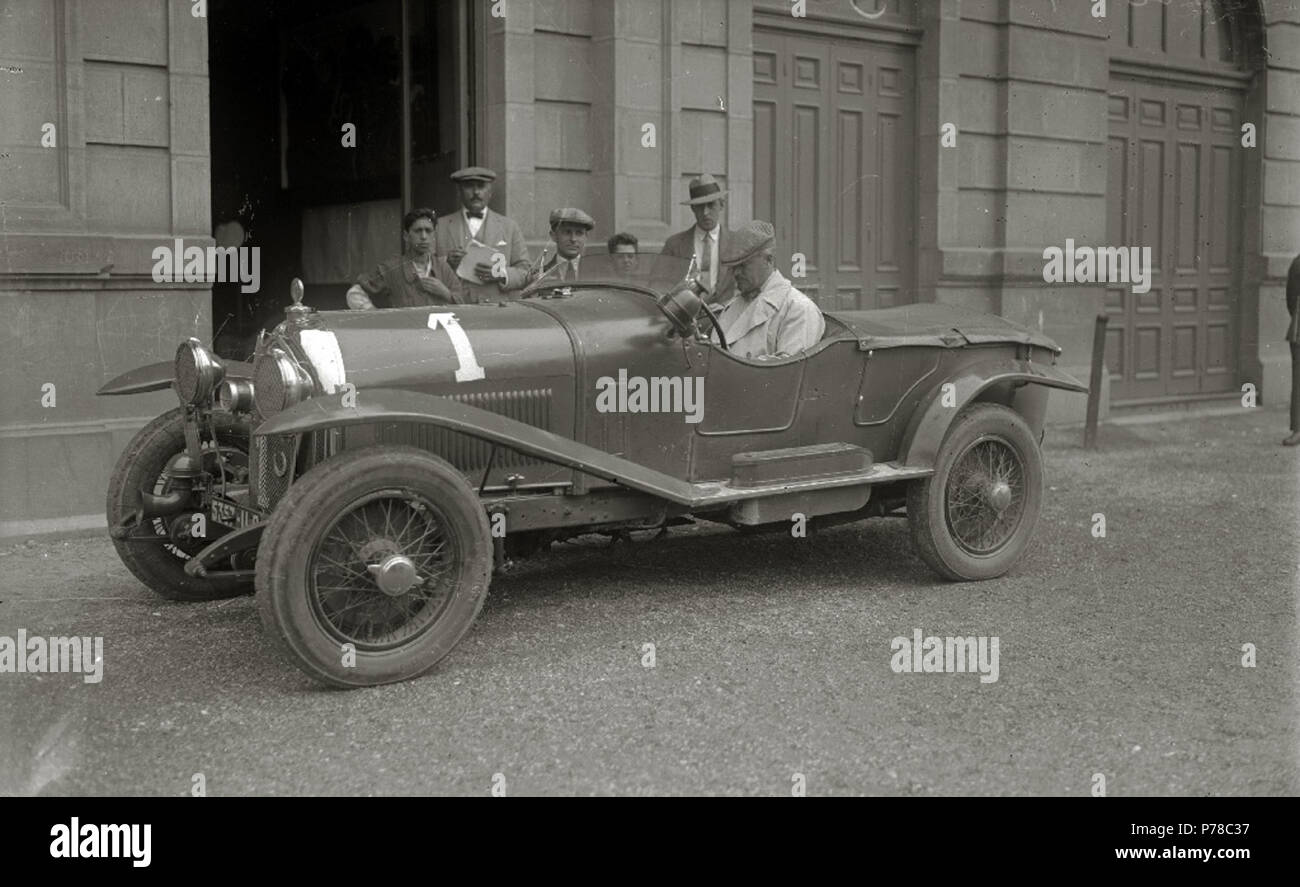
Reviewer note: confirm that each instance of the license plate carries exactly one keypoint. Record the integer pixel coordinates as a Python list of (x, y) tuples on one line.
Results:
[(232, 515)]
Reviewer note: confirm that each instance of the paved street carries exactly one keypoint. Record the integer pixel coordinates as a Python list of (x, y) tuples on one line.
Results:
[(1119, 656)]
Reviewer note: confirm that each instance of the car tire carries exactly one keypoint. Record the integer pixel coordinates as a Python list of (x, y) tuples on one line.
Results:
[(974, 517), (162, 566), (339, 523)]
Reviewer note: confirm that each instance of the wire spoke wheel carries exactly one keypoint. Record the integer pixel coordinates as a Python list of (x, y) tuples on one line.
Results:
[(383, 571), (985, 496), (975, 516), (373, 566)]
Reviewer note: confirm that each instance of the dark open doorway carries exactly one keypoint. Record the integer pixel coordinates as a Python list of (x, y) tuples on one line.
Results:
[(288, 175)]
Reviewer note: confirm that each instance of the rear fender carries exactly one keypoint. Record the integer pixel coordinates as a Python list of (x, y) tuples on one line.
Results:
[(930, 423)]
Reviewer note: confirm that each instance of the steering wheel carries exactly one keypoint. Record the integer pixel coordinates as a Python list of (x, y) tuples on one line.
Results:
[(717, 326)]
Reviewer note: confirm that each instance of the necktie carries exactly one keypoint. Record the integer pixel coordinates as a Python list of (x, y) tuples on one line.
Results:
[(570, 273), (706, 260)]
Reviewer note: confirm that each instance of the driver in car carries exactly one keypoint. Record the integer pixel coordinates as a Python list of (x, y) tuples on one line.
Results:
[(768, 318)]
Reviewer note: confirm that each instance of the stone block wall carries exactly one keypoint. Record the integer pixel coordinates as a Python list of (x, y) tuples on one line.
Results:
[(123, 84), (613, 106)]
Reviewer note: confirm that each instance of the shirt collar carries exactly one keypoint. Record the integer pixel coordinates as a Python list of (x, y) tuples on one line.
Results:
[(740, 316), (775, 288)]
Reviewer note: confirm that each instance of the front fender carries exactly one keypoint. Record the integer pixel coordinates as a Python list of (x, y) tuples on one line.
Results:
[(929, 424), (157, 376), (375, 405)]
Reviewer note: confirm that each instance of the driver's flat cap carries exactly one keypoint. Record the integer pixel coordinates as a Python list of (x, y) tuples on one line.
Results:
[(573, 216), (473, 174), (748, 241)]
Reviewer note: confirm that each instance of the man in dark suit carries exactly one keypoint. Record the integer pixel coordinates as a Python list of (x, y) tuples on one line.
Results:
[(569, 228), (706, 239), (1293, 336), (475, 223)]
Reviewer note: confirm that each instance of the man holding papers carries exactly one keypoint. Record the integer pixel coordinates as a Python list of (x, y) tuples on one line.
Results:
[(472, 238)]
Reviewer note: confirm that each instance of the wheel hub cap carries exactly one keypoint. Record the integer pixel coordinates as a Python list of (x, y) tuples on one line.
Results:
[(998, 495), (384, 571), (985, 496), (395, 575)]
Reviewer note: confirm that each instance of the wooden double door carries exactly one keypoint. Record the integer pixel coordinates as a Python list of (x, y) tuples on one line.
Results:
[(834, 164), (1174, 184)]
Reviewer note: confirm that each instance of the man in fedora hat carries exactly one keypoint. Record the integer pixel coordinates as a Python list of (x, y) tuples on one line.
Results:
[(705, 239), (569, 228), (769, 318), (475, 223)]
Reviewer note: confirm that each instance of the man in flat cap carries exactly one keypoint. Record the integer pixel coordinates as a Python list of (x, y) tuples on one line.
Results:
[(417, 277), (706, 239), (769, 318), (474, 223), (569, 227)]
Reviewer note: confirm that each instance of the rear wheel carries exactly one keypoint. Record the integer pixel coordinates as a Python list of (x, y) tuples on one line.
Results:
[(161, 564), (974, 517), (374, 566)]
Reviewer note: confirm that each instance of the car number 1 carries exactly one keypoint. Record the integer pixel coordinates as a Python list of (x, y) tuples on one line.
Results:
[(469, 370)]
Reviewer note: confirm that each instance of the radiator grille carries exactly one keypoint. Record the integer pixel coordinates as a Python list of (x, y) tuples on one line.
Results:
[(268, 454), (532, 407)]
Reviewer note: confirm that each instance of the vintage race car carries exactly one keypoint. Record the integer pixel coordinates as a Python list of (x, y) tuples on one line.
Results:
[(369, 470)]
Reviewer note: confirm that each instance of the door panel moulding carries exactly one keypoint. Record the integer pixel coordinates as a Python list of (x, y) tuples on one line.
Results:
[(1163, 73), (879, 32)]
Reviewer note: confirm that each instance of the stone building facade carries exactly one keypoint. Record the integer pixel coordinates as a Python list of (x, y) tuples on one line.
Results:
[(906, 151)]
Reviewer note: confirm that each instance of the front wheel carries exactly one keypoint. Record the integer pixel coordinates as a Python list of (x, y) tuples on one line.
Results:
[(156, 561), (973, 518), (374, 566)]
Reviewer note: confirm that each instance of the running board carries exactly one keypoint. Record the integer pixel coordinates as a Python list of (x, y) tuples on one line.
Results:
[(724, 492), (761, 467)]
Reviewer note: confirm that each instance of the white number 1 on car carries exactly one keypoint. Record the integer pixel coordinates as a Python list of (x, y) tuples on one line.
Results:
[(469, 370)]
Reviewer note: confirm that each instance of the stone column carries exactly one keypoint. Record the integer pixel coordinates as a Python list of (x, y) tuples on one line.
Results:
[(509, 131), (1279, 220), (938, 74)]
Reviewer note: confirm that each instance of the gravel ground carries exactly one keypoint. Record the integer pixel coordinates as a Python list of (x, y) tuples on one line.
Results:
[(1119, 656)]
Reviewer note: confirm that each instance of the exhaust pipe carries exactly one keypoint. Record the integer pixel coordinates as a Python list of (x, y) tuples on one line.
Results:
[(181, 471)]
